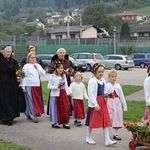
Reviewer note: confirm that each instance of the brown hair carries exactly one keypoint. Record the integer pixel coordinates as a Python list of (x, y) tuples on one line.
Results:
[(95, 67), (57, 64), (148, 69), (30, 47)]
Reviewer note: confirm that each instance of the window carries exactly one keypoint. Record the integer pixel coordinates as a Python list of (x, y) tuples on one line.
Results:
[(90, 56), (58, 36), (139, 56), (72, 36), (82, 56), (115, 58), (75, 56), (99, 56)]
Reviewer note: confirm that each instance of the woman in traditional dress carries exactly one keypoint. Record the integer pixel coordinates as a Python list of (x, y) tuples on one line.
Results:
[(9, 103), (31, 87)]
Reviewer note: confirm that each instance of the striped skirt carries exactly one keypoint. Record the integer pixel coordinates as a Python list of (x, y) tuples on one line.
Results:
[(33, 100)]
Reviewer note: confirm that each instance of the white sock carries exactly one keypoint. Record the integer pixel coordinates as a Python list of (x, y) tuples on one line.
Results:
[(89, 132), (106, 135), (115, 131)]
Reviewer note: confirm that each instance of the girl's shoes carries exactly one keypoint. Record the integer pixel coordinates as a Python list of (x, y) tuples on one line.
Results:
[(28, 117), (90, 141), (110, 143), (66, 126), (116, 137), (77, 123), (55, 126), (35, 119)]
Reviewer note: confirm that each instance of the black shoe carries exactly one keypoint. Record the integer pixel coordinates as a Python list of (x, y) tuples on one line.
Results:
[(66, 126), (79, 124), (9, 123), (55, 126), (75, 122), (28, 117)]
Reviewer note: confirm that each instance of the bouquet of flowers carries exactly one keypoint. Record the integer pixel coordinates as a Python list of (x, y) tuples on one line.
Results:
[(20, 73), (140, 130)]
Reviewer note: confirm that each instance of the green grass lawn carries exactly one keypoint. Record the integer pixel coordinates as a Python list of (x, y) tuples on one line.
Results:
[(4, 145), (128, 89), (142, 11), (135, 109)]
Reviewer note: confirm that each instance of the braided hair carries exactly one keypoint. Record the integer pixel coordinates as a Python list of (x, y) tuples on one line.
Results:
[(95, 67)]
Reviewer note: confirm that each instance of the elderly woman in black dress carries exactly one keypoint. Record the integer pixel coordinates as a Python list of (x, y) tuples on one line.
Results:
[(9, 103)]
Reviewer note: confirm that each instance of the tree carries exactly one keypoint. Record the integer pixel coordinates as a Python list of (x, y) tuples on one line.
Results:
[(95, 15), (125, 31)]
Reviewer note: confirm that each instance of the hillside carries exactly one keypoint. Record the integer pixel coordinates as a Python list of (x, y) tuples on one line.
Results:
[(143, 11)]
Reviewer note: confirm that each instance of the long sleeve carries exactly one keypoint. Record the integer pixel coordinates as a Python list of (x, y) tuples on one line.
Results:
[(92, 93), (147, 90), (40, 70), (122, 98)]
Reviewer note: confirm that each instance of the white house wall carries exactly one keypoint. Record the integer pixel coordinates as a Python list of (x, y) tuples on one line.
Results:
[(89, 33)]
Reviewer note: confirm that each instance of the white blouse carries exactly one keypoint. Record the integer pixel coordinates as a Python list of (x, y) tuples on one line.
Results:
[(110, 89), (32, 74), (54, 81), (92, 90), (147, 90), (78, 91)]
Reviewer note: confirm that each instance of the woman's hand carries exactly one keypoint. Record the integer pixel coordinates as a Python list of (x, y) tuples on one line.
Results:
[(97, 108)]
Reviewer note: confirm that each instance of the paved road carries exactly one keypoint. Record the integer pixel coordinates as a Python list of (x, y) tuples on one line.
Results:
[(133, 76), (42, 137)]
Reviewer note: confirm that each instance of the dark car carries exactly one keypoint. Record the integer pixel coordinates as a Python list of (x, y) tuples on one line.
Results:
[(78, 66), (46, 58), (141, 59)]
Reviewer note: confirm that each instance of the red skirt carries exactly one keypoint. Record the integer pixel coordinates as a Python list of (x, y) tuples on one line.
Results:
[(147, 113), (79, 112), (100, 119), (63, 108), (37, 100)]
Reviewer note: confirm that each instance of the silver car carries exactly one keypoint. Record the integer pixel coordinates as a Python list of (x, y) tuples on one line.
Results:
[(89, 58), (118, 62)]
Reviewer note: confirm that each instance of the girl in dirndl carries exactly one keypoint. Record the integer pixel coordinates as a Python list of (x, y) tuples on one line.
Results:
[(97, 114), (78, 93), (58, 106), (116, 101), (146, 117), (31, 87)]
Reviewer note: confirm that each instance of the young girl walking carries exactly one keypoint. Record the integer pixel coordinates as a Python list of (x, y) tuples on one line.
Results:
[(78, 93), (116, 101), (146, 117), (59, 106), (98, 115)]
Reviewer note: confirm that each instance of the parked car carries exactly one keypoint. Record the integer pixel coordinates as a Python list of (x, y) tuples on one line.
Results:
[(141, 59), (89, 58), (46, 58), (78, 66), (118, 62)]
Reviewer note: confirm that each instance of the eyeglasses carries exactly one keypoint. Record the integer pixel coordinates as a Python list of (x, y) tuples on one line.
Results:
[(32, 57)]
